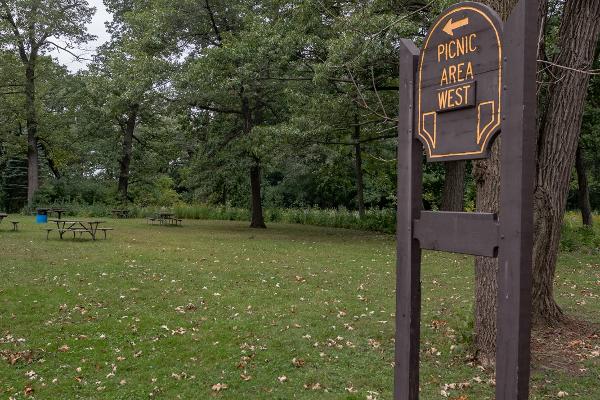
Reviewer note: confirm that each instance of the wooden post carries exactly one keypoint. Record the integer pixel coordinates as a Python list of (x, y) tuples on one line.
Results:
[(408, 275), (517, 170), (502, 96)]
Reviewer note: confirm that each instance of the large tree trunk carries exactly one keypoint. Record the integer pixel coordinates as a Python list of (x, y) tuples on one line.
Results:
[(502, 7), (51, 163), (128, 130), (557, 146), (32, 140), (487, 179), (584, 189), (558, 138), (453, 197), (256, 211), (360, 188), (257, 220)]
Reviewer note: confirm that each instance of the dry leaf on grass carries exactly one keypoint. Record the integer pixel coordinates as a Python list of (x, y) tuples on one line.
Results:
[(217, 387)]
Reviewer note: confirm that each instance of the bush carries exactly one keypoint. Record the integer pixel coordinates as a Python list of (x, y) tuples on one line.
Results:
[(576, 237), (383, 220)]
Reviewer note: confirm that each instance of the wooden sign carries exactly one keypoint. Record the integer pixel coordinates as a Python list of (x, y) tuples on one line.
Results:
[(470, 80), (459, 91)]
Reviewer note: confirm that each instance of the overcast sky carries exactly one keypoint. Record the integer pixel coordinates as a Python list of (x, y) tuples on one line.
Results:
[(96, 27)]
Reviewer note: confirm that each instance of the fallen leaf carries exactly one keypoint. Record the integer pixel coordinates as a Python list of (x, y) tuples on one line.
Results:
[(245, 377), (217, 387), (297, 362)]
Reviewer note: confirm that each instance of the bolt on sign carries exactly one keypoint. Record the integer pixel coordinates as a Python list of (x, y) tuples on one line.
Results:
[(459, 84), (474, 78)]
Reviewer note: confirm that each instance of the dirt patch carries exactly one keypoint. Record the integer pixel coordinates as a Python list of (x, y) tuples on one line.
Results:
[(566, 347)]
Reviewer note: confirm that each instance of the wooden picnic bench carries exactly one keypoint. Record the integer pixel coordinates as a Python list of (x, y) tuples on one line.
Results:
[(77, 226), (52, 210), (164, 218), (15, 224), (105, 230), (120, 213)]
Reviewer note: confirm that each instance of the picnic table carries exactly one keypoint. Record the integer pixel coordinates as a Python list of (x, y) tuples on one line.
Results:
[(58, 211), (120, 213), (77, 226), (167, 218), (14, 223), (47, 211)]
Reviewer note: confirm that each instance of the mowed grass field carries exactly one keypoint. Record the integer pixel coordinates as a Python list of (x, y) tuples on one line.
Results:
[(216, 310)]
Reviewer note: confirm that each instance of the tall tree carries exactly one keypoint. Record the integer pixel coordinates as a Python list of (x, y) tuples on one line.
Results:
[(558, 139), (240, 59), (131, 78), (31, 28), (583, 189), (486, 174), (358, 168), (126, 82), (557, 144), (453, 197)]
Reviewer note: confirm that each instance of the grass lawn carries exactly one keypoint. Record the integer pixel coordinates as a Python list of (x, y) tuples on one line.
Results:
[(292, 312)]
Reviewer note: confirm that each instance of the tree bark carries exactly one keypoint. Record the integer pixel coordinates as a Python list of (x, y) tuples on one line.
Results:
[(51, 163), (33, 182), (360, 189), (584, 189), (453, 197), (502, 7), (257, 220), (487, 179), (557, 146), (128, 130), (486, 174), (557, 141)]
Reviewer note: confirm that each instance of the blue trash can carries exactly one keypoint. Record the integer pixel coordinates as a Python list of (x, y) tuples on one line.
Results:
[(42, 216)]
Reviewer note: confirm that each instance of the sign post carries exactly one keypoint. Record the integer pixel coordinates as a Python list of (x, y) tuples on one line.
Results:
[(474, 77)]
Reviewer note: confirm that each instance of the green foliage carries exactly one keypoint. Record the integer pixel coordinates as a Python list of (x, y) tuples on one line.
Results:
[(81, 191), (295, 86), (219, 213), (590, 140), (576, 237), (374, 220), (159, 193)]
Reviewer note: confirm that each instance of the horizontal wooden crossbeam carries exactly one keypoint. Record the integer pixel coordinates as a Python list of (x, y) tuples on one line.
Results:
[(458, 232)]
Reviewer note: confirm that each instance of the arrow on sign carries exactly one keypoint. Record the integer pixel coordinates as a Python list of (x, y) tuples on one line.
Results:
[(451, 26)]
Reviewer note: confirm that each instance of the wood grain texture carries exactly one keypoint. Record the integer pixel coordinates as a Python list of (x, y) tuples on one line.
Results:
[(458, 232), (408, 268)]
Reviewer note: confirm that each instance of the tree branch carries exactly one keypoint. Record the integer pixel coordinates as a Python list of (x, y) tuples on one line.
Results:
[(216, 109), (21, 45), (355, 142), (7, 93), (77, 57), (588, 72), (214, 23)]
